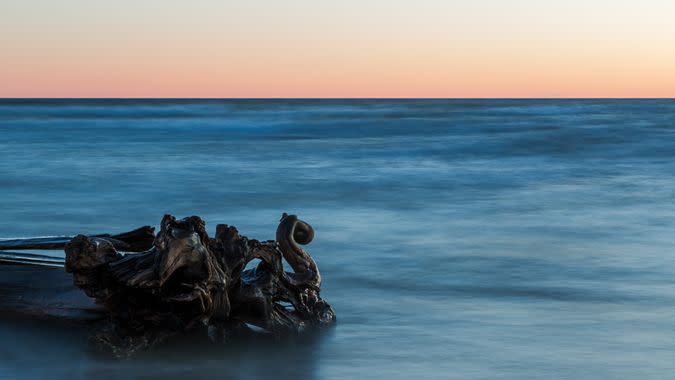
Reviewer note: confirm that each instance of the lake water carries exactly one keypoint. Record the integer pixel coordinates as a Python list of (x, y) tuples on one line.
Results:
[(468, 239)]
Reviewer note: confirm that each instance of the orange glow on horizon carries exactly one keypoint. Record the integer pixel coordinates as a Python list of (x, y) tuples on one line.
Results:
[(431, 49)]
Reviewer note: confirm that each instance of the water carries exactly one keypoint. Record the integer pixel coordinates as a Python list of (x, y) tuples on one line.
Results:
[(468, 239)]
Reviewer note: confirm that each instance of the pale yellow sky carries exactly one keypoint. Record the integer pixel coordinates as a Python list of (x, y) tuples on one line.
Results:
[(346, 48)]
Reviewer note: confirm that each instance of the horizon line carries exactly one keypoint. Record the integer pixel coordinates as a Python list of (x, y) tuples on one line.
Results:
[(338, 98)]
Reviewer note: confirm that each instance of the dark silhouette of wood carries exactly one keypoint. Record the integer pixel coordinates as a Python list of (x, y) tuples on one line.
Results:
[(187, 279), (45, 293), (138, 240), (22, 258)]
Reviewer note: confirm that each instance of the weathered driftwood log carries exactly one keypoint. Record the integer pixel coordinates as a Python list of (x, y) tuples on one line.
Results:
[(138, 240), (22, 258), (188, 279), (45, 293)]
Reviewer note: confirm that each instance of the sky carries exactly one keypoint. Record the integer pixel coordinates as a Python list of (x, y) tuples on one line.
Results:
[(338, 48)]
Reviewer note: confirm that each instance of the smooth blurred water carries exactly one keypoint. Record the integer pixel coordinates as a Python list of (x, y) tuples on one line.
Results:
[(468, 239)]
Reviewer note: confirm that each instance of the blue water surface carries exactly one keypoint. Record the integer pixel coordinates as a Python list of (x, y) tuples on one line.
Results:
[(457, 239)]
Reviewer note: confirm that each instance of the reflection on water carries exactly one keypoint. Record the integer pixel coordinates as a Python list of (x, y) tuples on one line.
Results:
[(67, 355), (457, 239)]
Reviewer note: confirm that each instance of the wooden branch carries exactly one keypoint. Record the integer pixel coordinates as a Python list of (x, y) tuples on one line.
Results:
[(138, 240), (20, 258)]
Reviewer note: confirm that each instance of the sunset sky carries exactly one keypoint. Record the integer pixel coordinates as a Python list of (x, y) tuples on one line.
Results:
[(345, 48)]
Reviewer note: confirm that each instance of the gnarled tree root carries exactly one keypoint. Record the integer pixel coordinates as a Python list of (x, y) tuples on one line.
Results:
[(187, 279)]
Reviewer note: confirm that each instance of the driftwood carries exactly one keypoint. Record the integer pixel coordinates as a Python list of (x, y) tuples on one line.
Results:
[(31, 259), (138, 240), (181, 281), (45, 293)]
